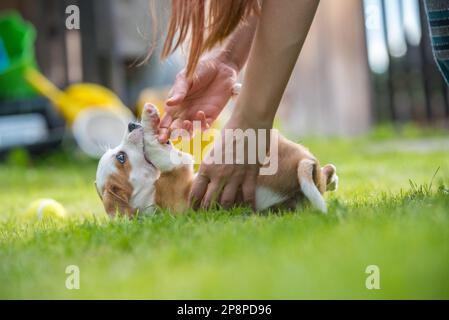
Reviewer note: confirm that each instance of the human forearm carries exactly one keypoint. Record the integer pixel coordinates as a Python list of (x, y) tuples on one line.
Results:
[(210, 88), (280, 35), (236, 49)]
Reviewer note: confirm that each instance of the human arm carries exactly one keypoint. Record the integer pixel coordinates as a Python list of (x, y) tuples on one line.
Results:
[(280, 35), (205, 95)]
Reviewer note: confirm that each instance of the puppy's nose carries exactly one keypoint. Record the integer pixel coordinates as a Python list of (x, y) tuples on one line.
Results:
[(133, 126)]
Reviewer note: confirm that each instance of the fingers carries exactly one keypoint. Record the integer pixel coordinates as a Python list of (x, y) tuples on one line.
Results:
[(167, 125), (176, 124), (209, 122), (229, 195), (212, 194), (201, 116), (229, 190), (187, 125), (249, 190), (164, 128), (205, 192), (179, 91), (164, 135), (177, 95), (198, 190)]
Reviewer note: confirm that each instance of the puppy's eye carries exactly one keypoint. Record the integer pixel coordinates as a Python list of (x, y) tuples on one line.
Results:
[(121, 157)]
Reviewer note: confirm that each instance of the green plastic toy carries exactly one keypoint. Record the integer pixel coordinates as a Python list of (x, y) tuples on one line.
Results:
[(17, 37)]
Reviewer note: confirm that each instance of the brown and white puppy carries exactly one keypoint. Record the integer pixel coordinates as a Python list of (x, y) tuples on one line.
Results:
[(140, 174)]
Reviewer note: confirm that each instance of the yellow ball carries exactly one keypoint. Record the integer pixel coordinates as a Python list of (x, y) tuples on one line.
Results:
[(45, 209)]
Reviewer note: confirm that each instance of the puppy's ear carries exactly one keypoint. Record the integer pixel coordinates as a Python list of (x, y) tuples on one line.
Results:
[(116, 199)]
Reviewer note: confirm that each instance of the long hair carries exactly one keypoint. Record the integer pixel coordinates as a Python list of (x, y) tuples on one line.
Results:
[(204, 24)]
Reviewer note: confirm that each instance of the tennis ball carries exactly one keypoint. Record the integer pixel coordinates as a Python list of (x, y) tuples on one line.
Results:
[(45, 209)]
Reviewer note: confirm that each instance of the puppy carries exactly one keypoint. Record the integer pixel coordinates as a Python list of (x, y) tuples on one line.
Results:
[(139, 175)]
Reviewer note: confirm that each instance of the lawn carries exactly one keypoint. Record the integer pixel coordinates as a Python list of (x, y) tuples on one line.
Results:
[(390, 211)]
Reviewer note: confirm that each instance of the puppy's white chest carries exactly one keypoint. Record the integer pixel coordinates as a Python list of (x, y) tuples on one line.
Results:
[(266, 198)]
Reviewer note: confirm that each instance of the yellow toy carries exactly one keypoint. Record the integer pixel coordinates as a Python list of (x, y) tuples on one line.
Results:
[(96, 115), (45, 209)]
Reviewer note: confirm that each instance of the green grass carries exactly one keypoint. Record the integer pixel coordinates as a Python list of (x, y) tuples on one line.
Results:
[(389, 211)]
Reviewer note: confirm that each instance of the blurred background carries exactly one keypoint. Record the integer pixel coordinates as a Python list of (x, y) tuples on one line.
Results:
[(366, 63), (365, 95)]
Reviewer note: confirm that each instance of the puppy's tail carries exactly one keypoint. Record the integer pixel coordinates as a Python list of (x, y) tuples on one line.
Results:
[(308, 172)]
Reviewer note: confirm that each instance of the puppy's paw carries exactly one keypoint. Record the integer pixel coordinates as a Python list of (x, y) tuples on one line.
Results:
[(333, 186), (150, 118), (330, 172)]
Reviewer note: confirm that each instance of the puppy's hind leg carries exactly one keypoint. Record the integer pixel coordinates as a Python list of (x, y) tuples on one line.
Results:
[(306, 170), (165, 157)]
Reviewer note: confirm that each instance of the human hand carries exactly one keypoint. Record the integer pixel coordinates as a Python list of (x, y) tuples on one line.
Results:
[(201, 98), (230, 183)]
